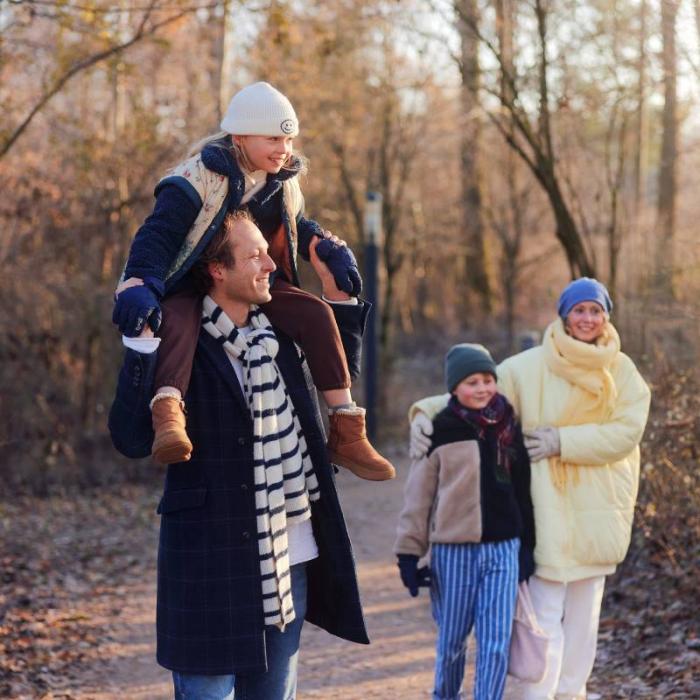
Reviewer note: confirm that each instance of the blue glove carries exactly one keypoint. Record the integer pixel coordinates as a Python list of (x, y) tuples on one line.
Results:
[(135, 306), (411, 576), (342, 264)]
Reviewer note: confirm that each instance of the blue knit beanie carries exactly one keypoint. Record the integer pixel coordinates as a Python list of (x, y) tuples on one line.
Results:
[(583, 289), (465, 359)]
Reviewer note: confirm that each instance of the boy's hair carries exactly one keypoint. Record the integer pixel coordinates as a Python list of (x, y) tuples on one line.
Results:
[(218, 250)]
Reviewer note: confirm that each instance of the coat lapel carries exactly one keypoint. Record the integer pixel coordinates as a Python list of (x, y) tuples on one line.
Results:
[(217, 355)]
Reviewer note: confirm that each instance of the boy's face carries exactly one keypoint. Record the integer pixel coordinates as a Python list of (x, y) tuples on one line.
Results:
[(476, 390)]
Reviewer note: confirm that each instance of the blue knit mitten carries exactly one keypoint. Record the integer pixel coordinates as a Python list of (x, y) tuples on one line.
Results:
[(136, 306), (342, 264)]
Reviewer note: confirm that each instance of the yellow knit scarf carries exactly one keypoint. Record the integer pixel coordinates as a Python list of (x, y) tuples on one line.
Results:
[(586, 367)]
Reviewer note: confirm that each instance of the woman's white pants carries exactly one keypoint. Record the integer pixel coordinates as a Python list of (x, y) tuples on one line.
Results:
[(569, 613)]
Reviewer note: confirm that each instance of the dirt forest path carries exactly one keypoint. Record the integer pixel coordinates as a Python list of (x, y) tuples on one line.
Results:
[(118, 659)]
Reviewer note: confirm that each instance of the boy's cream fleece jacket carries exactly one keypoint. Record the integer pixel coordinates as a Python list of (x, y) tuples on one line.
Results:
[(585, 530)]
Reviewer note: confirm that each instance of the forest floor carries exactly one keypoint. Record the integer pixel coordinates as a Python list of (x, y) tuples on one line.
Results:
[(77, 593)]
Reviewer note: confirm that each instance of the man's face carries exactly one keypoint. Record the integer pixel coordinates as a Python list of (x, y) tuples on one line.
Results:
[(248, 281)]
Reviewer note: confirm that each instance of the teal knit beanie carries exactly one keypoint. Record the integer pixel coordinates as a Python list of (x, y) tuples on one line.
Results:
[(465, 359)]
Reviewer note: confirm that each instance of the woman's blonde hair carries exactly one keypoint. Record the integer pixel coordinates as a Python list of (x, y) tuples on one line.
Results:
[(222, 139)]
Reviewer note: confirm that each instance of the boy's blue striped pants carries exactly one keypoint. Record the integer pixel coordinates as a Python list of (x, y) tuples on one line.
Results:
[(473, 585)]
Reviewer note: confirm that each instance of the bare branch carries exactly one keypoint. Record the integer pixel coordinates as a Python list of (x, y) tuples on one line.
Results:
[(350, 191), (513, 143), (113, 9), (141, 33)]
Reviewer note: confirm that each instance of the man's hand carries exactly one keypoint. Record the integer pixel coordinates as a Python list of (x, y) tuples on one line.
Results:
[(421, 430), (542, 443), (341, 262), (411, 576), (330, 288), (137, 305)]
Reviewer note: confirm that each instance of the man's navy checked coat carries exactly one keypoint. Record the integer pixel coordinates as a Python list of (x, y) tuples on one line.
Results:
[(210, 610)]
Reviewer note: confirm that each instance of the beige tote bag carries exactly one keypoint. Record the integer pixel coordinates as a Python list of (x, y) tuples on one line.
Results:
[(528, 643)]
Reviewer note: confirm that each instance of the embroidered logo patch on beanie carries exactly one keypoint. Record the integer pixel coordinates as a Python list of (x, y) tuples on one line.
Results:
[(288, 126)]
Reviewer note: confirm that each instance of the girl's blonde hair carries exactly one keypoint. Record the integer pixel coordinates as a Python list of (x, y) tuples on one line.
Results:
[(220, 139)]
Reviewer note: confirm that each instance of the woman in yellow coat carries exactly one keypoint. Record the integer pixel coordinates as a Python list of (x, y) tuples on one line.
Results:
[(583, 406)]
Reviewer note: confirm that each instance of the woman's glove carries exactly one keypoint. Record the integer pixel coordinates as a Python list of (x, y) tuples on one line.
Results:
[(411, 576), (420, 440), (137, 305), (542, 443), (341, 262)]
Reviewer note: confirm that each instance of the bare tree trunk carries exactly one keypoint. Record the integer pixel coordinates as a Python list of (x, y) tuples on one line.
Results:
[(641, 125), (476, 255), (567, 231), (223, 51), (615, 175), (391, 212), (510, 289), (510, 241), (504, 27), (666, 210)]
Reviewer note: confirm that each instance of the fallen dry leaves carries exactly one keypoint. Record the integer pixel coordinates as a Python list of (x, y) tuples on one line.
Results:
[(68, 563), (65, 565), (649, 642)]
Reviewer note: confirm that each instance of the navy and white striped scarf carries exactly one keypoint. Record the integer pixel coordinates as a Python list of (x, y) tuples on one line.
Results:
[(285, 481)]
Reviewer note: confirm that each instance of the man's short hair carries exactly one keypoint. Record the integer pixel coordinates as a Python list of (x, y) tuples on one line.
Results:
[(218, 250)]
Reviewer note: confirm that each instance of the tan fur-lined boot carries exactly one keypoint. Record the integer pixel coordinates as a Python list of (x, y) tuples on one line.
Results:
[(349, 447), (170, 441)]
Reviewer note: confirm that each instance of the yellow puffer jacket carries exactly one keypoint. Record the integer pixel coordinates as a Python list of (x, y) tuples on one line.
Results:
[(585, 529)]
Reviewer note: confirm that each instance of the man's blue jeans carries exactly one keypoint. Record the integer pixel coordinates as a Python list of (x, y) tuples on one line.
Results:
[(279, 682)]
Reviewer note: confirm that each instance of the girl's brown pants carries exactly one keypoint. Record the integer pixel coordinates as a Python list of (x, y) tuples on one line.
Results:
[(304, 317)]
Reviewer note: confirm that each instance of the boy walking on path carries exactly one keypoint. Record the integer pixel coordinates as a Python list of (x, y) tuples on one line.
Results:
[(469, 500)]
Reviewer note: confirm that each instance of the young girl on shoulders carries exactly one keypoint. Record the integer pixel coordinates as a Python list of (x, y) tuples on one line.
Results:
[(249, 164)]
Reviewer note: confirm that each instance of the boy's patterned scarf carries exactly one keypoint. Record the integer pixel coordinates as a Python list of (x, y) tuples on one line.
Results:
[(285, 481), (499, 415)]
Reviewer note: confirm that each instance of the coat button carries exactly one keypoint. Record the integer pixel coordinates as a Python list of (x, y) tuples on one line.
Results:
[(241, 441), (244, 488), (245, 535)]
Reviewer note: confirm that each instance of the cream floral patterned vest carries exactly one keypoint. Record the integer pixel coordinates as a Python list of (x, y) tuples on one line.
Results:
[(212, 189)]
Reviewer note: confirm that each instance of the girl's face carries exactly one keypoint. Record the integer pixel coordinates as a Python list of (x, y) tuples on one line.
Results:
[(585, 321), (476, 390), (268, 153)]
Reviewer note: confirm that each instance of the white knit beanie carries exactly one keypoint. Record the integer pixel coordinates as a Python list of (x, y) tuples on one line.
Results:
[(260, 110)]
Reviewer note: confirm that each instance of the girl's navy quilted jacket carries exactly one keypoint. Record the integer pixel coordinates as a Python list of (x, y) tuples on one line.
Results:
[(162, 234)]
